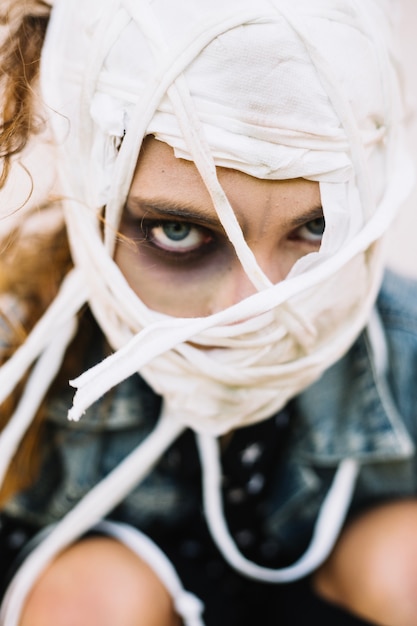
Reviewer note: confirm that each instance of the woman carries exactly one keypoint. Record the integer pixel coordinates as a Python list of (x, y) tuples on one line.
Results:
[(225, 175)]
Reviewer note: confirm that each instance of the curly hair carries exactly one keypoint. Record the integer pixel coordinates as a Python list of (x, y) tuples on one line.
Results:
[(23, 26)]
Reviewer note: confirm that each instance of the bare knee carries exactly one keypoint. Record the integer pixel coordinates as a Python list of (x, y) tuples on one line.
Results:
[(373, 568), (98, 582)]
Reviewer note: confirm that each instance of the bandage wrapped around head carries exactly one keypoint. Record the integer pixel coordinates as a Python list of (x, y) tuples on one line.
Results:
[(277, 89), (274, 89)]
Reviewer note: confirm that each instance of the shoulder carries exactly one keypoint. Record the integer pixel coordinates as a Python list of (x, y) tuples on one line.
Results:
[(397, 303), (397, 306)]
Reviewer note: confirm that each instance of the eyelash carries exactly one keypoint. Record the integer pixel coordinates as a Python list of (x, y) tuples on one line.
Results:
[(208, 239), (205, 238), (317, 224)]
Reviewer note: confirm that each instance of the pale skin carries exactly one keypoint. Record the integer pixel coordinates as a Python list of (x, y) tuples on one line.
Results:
[(176, 256), (372, 571), (99, 582), (179, 260)]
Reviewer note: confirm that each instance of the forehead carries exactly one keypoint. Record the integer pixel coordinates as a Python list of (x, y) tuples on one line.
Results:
[(160, 176)]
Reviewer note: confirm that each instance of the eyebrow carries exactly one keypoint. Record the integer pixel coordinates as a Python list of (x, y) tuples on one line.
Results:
[(315, 213), (181, 210)]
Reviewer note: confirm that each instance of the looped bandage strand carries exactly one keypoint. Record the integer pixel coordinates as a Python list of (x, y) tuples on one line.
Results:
[(328, 134)]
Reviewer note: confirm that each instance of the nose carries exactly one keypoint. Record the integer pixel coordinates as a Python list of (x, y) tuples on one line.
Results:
[(233, 286)]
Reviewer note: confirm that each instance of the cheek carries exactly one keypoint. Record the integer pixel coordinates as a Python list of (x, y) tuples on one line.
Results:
[(203, 286), (181, 292)]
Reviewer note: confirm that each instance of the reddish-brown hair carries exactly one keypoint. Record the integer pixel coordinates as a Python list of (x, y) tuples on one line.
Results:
[(23, 27), (31, 271)]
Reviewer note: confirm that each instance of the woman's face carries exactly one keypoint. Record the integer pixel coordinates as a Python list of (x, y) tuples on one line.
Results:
[(175, 253)]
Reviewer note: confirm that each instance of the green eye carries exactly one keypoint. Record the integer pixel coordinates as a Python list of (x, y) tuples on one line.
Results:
[(176, 231), (177, 237), (316, 227), (312, 231)]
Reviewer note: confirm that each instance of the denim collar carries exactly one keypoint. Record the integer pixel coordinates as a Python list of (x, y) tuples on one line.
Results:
[(350, 412)]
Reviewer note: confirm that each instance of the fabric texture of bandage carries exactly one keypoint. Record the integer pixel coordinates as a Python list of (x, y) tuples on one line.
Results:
[(277, 91), (273, 88)]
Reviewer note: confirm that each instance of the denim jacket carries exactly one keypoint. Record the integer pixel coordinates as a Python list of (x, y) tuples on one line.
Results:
[(350, 412)]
